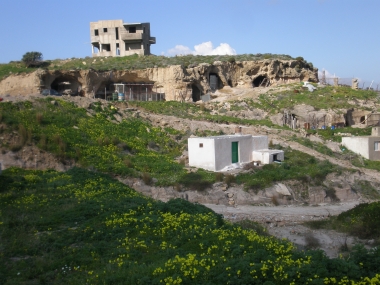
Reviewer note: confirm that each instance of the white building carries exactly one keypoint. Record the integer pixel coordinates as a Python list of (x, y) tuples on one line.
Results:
[(366, 146), (217, 152)]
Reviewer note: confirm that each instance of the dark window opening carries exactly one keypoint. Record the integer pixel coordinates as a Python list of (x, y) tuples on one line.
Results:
[(201, 145), (362, 119), (96, 32), (144, 30), (106, 47), (132, 30), (105, 30), (117, 33), (260, 81), (275, 157), (195, 93), (117, 49)]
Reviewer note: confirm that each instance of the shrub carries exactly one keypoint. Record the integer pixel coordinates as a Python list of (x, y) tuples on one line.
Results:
[(39, 118), (195, 181), (311, 242), (219, 176), (228, 179), (32, 58), (146, 178)]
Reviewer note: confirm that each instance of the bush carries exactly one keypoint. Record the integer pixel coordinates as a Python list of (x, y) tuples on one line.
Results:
[(32, 58), (146, 178)]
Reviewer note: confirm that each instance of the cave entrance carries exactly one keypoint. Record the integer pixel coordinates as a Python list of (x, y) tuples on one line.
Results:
[(105, 89), (260, 81), (66, 85), (195, 93), (215, 82)]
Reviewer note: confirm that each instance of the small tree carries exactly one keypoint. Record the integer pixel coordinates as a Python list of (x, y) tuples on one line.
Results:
[(32, 58)]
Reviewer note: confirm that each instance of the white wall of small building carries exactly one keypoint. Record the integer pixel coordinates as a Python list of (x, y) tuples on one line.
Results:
[(358, 145), (259, 142), (365, 146), (223, 147), (203, 157)]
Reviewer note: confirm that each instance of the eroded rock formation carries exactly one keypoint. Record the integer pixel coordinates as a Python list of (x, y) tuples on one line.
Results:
[(176, 82)]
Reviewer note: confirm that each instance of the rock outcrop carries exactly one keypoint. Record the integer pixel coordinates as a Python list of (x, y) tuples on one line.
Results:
[(176, 82)]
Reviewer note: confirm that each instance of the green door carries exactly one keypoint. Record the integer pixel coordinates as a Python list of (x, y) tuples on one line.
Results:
[(235, 152)]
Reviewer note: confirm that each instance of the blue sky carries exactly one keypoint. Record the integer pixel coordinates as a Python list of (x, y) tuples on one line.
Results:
[(340, 36)]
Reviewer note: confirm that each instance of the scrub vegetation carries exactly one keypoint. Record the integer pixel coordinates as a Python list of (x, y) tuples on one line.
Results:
[(329, 97), (83, 227)]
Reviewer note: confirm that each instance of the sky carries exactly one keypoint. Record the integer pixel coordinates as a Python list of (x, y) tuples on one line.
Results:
[(339, 36)]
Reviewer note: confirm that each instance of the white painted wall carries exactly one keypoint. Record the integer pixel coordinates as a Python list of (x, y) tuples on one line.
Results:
[(365, 146), (358, 145), (260, 142), (223, 150), (203, 157)]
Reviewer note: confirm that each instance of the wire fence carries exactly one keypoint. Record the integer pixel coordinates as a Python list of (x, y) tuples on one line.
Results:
[(360, 84)]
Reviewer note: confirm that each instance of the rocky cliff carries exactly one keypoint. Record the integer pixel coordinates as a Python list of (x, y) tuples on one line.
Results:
[(176, 82)]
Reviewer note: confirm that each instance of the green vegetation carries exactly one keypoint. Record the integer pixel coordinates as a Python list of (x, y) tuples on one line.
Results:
[(362, 221), (297, 165), (129, 148), (192, 111), (329, 97), (82, 227), (32, 58)]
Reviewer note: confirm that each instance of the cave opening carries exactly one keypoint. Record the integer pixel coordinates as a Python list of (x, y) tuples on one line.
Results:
[(260, 81), (195, 93), (66, 85)]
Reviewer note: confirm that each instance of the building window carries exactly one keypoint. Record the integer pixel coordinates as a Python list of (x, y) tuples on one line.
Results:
[(132, 30), (96, 32), (201, 145), (377, 146), (117, 33), (105, 30)]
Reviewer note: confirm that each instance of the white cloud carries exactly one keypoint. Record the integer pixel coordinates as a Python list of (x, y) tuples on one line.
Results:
[(205, 48)]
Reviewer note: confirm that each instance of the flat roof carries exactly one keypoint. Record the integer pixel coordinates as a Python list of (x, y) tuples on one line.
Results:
[(221, 137)]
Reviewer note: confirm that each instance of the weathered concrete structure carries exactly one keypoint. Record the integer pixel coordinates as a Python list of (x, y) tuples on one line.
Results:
[(113, 38), (366, 146), (218, 152)]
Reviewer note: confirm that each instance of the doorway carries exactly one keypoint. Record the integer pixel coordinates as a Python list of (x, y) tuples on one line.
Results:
[(235, 152)]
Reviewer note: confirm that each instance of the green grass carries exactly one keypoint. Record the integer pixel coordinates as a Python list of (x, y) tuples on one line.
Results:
[(95, 142), (297, 165), (192, 111), (362, 221), (82, 227), (323, 98)]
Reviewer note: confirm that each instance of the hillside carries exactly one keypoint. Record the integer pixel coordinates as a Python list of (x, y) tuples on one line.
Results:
[(103, 231)]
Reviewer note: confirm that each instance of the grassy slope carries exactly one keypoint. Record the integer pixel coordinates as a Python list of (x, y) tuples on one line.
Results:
[(83, 227), (134, 147)]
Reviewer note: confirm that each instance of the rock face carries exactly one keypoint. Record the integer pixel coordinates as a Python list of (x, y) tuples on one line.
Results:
[(176, 82)]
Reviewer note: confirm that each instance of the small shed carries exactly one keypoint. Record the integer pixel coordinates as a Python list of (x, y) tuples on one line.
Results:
[(218, 152)]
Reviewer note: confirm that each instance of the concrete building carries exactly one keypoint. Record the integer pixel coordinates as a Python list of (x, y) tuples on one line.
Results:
[(366, 146), (218, 152), (114, 38)]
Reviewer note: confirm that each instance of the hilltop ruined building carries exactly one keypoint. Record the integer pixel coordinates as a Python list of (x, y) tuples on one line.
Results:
[(114, 38)]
